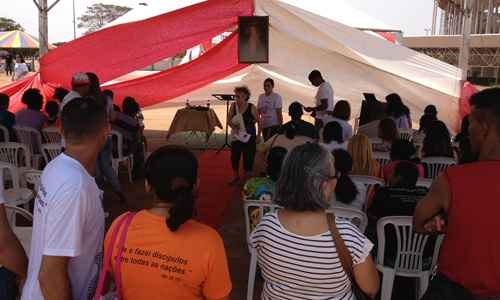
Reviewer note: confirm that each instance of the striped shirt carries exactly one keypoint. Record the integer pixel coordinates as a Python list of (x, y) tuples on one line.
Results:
[(299, 267)]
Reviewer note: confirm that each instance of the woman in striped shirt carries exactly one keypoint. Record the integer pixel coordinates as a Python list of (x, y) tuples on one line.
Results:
[(295, 248)]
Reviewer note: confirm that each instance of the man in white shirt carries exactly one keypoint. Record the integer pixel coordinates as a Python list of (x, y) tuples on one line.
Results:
[(324, 99), (270, 111), (13, 261), (80, 87), (68, 226)]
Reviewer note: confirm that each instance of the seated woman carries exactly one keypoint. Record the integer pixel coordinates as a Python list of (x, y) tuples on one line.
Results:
[(52, 111), (289, 242), (362, 156), (342, 114), (7, 119), (165, 242), (31, 116), (425, 122), (388, 133), (437, 142), (333, 137), (402, 150), (348, 193), (398, 112)]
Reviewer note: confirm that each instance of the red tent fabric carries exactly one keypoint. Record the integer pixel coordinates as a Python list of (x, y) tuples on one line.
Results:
[(467, 91), (121, 49), (215, 64), (17, 89)]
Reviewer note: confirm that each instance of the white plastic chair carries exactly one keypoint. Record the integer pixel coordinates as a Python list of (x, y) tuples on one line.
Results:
[(50, 151), (409, 255), (52, 135), (121, 157), (5, 133), (261, 207), (15, 195), (355, 216), (424, 182), (406, 134), (34, 178), (368, 182), (17, 154), (374, 141), (31, 138), (383, 158), (23, 233), (435, 165)]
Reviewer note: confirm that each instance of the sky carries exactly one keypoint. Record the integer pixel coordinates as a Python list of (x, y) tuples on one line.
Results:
[(413, 17)]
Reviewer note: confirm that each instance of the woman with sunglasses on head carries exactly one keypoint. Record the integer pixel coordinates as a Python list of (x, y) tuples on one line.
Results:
[(295, 246)]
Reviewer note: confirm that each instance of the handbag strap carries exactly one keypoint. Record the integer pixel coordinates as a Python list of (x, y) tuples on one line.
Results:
[(107, 259), (118, 259), (342, 251)]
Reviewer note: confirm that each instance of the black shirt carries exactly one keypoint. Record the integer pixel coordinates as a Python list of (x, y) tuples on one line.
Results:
[(302, 128)]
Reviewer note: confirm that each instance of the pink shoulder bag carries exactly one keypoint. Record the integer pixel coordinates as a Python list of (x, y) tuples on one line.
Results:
[(123, 222)]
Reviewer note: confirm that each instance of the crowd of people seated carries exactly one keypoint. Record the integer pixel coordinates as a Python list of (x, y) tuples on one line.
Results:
[(160, 252)]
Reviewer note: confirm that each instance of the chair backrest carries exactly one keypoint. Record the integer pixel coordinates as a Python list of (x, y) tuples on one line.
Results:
[(375, 141), (14, 175), (12, 212), (383, 158), (51, 151), (406, 134), (355, 216), (424, 182), (254, 211), (33, 177), (5, 133), (29, 136), (15, 153), (52, 135), (118, 138), (435, 165), (409, 244), (368, 181)]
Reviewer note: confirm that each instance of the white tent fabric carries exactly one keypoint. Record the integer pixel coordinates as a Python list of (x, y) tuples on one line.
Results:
[(351, 60)]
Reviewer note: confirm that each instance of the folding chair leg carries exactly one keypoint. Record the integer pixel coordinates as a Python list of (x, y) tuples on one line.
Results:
[(251, 275), (423, 284), (387, 284)]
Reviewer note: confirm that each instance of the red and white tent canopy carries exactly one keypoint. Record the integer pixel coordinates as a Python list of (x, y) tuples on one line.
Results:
[(302, 38)]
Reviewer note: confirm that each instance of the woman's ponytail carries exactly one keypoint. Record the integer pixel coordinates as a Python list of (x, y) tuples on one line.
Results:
[(183, 208)]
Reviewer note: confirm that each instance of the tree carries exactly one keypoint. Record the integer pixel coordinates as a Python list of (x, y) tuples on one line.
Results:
[(99, 15), (7, 24)]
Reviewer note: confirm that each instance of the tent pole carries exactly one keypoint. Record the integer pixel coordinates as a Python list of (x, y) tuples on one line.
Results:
[(434, 17), (43, 27), (465, 48)]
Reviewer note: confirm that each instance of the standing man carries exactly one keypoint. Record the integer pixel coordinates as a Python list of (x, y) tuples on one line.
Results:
[(269, 108), (68, 225), (9, 65), (464, 203), (324, 99)]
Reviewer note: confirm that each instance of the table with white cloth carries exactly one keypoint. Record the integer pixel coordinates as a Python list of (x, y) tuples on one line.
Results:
[(194, 120)]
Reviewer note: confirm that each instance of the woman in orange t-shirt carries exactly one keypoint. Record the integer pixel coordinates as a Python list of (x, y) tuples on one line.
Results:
[(167, 255)]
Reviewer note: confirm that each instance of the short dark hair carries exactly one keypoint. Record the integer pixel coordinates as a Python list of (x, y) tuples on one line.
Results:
[(402, 150), (52, 108), (269, 80), (407, 172), (431, 110), (60, 93), (388, 130), (244, 90), (172, 173), (342, 110), (275, 160), (130, 107), (333, 132), (300, 187), (108, 93), (33, 99), (487, 102), (315, 74), (295, 110), (83, 118), (4, 101)]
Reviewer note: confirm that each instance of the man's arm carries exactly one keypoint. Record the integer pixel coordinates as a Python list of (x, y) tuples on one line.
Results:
[(54, 279), (12, 255), (427, 213), (323, 106)]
